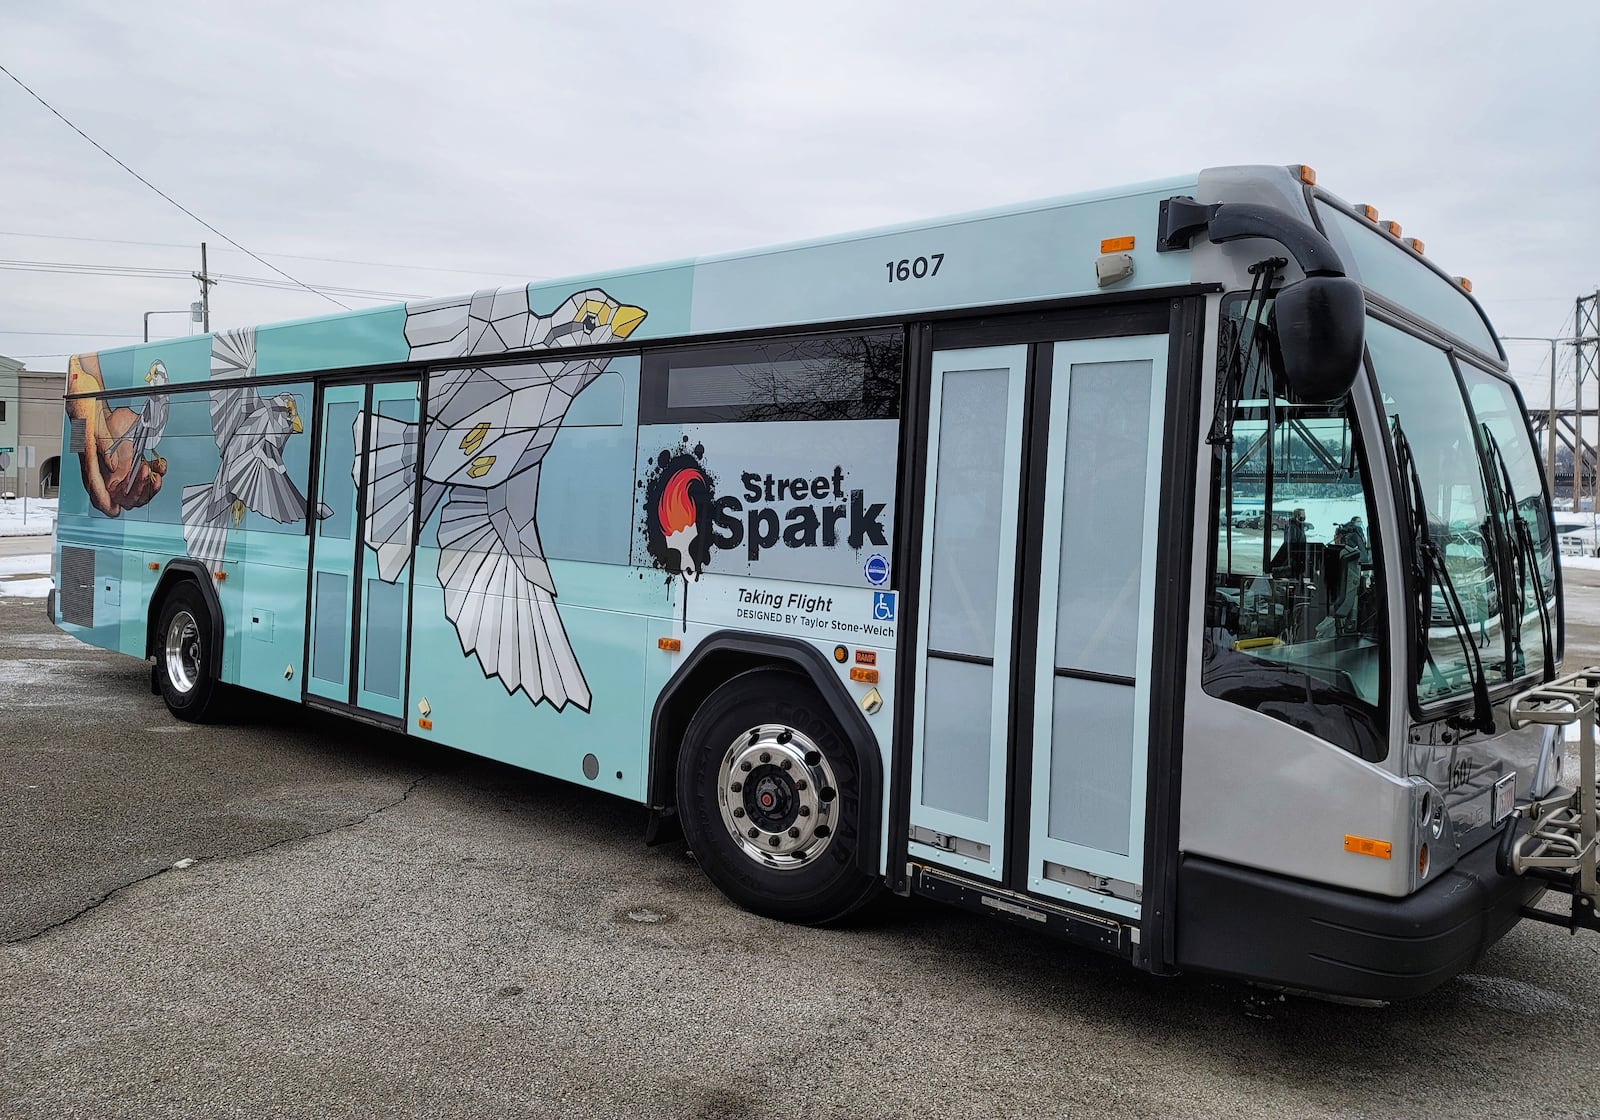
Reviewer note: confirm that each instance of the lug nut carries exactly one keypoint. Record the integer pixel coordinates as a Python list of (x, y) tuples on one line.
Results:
[(800, 784), (736, 786), (753, 833), (805, 810), (745, 766), (738, 811), (766, 756), (787, 764), (775, 841), (793, 832)]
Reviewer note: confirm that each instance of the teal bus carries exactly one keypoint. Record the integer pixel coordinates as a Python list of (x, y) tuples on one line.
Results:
[(1161, 568)]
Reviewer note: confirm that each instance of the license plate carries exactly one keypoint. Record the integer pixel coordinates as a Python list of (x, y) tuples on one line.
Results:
[(1505, 797)]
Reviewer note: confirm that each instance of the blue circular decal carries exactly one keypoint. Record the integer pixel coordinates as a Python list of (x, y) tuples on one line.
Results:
[(876, 569)]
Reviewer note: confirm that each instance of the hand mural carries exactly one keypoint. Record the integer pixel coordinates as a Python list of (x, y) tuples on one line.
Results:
[(115, 474)]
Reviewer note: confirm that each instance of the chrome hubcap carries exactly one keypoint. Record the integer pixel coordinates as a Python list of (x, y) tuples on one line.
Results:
[(778, 796), (182, 651)]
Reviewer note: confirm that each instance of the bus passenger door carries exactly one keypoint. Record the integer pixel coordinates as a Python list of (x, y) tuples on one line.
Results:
[(961, 715), (1030, 721), (1088, 751), (361, 594)]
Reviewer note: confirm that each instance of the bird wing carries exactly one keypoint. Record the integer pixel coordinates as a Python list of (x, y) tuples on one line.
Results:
[(258, 478), (499, 595)]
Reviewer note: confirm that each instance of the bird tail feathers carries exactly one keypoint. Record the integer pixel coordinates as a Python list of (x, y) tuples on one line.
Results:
[(509, 621), (205, 524), (391, 486)]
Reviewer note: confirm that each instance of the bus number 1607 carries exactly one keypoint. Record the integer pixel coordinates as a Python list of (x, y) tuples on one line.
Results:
[(918, 268)]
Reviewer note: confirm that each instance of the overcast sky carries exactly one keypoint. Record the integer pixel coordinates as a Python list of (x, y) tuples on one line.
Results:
[(477, 142)]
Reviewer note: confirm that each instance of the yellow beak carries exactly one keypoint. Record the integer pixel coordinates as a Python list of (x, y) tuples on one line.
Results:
[(625, 319)]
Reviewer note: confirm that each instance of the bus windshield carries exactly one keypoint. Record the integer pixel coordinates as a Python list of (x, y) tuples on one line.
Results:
[(1474, 479), (1295, 625)]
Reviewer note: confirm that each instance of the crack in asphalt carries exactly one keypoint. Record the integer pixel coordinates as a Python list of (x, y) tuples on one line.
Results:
[(114, 891)]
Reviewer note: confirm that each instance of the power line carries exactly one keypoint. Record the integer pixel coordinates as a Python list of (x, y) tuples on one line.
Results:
[(162, 193), (74, 268), (285, 256)]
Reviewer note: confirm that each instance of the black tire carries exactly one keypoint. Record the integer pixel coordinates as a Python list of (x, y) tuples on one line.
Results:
[(800, 865), (184, 651)]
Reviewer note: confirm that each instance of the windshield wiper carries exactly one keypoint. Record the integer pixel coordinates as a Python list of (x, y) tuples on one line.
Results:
[(1428, 567), (1527, 556)]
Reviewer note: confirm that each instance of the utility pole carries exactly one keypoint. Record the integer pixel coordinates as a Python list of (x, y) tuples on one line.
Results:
[(1586, 363), (1550, 415), (206, 284)]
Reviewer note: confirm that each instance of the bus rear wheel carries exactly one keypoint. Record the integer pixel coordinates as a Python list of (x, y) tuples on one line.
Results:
[(769, 798), (184, 649)]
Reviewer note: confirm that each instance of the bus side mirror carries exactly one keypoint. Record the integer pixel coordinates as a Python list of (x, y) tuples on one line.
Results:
[(1320, 325)]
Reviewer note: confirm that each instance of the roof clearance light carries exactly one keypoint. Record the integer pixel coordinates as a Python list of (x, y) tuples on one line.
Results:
[(1392, 227), (1416, 245), (1116, 245), (1308, 176), (1466, 285), (1370, 213)]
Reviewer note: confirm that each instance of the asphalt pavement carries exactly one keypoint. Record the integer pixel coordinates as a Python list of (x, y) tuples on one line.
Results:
[(293, 916)]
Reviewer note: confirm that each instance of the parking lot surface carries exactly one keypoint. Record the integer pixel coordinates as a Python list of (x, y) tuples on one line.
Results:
[(293, 916)]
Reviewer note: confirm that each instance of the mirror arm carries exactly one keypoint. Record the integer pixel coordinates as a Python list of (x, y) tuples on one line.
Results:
[(1181, 218)]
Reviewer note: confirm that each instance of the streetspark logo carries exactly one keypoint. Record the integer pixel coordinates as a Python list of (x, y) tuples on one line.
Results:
[(679, 497)]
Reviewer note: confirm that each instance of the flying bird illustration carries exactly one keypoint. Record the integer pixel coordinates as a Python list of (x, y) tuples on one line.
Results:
[(487, 433), (145, 432), (250, 431)]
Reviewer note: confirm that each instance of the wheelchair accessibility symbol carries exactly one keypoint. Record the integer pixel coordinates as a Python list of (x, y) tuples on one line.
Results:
[(883, 606)]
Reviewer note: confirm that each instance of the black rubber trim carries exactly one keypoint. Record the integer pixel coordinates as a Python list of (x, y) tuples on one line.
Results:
[(176, 571), (910, 506), (1252, 924), (869, 763), (1169, 656)]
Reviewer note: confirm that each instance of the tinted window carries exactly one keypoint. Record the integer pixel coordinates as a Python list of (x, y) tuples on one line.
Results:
[(837, 377)]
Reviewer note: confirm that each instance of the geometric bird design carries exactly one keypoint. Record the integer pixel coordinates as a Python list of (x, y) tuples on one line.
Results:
[(250, 431), (487, 432), (145, 431)]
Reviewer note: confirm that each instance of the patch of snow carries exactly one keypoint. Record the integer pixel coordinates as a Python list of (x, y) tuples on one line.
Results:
[(25, 577), (41, 517)]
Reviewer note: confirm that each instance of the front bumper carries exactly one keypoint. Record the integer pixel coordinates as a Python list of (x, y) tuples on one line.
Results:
[(1251, 924)]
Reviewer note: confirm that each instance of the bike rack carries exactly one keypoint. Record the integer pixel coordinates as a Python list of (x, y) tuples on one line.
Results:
[(1559, 844)]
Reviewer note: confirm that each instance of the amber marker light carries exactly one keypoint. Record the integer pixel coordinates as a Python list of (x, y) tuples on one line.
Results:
[(864, 676), (1116, 245), (1466, 285), (1416, 246), (671, 645), (425, 723), (1392, 227), (1308, 176), (1370, 213), (154, 567), (220, 576), (841, 654), (1363, 846)]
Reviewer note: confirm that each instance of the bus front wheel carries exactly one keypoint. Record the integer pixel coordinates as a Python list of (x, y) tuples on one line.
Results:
[(769, 798), (184, 649)]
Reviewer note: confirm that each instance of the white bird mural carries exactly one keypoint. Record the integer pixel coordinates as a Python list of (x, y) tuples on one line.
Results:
[(487, 433), (250, 431), (146, 430)]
